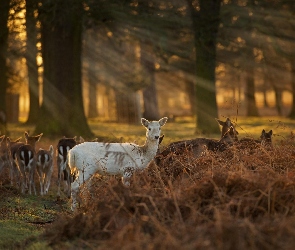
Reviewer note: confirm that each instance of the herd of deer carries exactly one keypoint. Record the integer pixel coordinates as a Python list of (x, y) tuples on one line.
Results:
[(79, 161)]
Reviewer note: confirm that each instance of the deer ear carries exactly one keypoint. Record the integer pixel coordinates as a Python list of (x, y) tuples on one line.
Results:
[(26, 134), (144, 122), (8, 141), (51, 149), (39, 136), (161, 139), (270, 132), (228, 122), (163, 121), (221, 123)]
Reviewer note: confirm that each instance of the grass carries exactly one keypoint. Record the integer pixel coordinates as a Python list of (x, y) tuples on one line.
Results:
[(172, 211)]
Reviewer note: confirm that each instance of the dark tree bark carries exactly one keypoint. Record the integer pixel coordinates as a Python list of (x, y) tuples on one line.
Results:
[(91, 71), (4, 10), (62, 111), (190, 89), (31, 58), (205, 25), (150, 100), (278, 98), (92, 104), (147, 60), (251, 109)]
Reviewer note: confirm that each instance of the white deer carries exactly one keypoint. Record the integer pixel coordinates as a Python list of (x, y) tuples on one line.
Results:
[(120, 159), (45, 168)]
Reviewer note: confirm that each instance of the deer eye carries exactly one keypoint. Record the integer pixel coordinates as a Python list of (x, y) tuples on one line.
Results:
[(149, 129)]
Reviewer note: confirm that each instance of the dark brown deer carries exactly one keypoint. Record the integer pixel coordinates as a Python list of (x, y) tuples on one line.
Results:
[(197, 146), (45, 168), (264, 141), (23, 159), (266, 138), (64, 172)]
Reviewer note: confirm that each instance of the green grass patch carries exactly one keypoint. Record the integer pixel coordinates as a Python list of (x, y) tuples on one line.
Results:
[(12, 232), (24, 217)]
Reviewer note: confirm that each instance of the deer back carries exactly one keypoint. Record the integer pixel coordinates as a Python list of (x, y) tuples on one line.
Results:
[(25, 155), (45, 158), (63, 147)]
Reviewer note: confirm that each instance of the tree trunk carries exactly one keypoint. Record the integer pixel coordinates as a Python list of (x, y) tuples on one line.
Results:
[(265, 103), (31, 58), (150, 100), (62, 111), (292, 112), (190, 89), (251, 109), (278, 98), (92, 104), (4, 10), (147, 61), (205, 25), (128, 108)]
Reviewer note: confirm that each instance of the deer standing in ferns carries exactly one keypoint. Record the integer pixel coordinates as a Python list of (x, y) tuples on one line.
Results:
[(23, 159), (120, 159), (45, 168), (64, 173), (197, 146), (4, 155)]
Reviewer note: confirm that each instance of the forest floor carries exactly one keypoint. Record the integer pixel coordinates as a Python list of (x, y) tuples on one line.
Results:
[(46, 222)]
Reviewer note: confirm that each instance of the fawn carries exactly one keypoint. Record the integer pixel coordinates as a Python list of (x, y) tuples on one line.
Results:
[(23, 160), (45, 168)]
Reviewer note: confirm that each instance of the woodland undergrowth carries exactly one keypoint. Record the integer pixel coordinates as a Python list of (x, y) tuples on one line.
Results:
[(242, 198)]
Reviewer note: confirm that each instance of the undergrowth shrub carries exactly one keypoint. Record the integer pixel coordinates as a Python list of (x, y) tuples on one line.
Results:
[(236, 199)]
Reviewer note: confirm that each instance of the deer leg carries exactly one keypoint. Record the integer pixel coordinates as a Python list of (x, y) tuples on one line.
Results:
[(47, 182), (126, 177), (58, 182), (32, 180), (82, 177), (74, 193)]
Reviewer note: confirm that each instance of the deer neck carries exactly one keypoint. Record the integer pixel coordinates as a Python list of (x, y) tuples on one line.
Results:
[(149, 149)]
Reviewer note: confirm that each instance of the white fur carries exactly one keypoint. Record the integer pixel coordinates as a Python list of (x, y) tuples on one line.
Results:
[(120, 159)]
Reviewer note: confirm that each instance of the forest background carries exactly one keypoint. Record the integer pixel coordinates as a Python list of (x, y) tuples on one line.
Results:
[(63, 61)]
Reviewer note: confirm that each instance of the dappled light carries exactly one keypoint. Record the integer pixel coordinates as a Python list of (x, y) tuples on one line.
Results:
[(85, 74)]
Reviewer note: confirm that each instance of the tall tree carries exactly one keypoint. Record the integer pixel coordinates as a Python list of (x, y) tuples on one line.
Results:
[(31, 59), (251, 108), (62, 111), (4, 12), (147, 60), (150, 98), (205, 17)]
